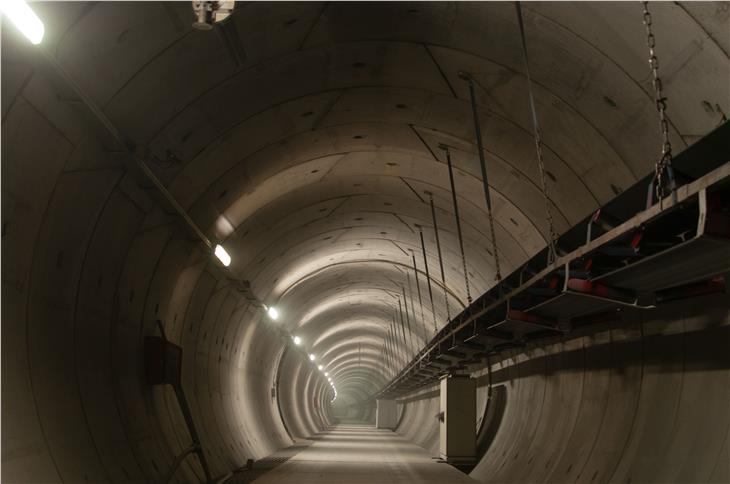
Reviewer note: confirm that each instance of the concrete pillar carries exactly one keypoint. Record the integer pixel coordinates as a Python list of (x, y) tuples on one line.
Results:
[(386, 414), (457, 419)]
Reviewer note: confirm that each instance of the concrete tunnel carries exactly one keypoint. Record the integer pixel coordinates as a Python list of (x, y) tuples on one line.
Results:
[(307, 139)]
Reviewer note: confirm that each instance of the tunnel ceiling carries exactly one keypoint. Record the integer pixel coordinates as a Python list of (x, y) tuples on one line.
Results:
[(305, 136)]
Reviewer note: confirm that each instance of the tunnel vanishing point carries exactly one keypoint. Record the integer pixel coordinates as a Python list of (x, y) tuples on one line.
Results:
[(365, 242)]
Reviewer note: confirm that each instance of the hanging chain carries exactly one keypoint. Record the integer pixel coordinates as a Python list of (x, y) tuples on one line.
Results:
[(552, 254), (664, 165)]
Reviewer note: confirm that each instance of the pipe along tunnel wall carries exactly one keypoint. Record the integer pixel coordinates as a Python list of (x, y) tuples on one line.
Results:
[(312, 158)]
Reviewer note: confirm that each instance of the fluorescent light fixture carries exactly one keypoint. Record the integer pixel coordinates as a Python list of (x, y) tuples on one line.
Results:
[(297, 340), (320, 367), (24, 19), (220, 252), (311, 357), (273, 313)]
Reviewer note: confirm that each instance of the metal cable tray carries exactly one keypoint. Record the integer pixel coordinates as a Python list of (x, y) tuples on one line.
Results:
[(520, 323), (619, 281), (580, 297), (690, 261), (682, 260)]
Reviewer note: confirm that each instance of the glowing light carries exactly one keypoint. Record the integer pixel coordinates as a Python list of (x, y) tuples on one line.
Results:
[(311, 357), (326, 374), (221, 253), (320, 367), (273, 313), (24, 19), (297, 340)]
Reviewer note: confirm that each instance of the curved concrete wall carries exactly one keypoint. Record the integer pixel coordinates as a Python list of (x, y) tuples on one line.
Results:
[(304, 406), (643, 399), (88, 266), (311, 159), (419, 419)]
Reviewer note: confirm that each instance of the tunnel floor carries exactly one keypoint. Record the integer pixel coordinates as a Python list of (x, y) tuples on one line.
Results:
[(362, 454)]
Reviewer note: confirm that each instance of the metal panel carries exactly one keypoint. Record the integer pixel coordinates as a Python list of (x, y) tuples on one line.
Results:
[(457, 418)]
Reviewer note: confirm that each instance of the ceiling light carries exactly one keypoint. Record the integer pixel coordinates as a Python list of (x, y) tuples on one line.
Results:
[(24, 19), (326, 374), (222, 255), (311, 357), (320, 367), (273, 313), (297, 340)]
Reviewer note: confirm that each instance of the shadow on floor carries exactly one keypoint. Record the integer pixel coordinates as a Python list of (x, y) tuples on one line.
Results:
[(262, 466)]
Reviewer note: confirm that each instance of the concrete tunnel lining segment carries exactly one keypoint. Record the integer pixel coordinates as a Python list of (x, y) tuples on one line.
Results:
[(91, 260)]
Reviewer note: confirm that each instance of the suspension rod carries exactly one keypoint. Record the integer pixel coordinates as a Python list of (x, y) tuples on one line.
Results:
[(403, 332), (428, 280), (420, 300), (408, 319), (458, 223), (394, 342), (483, 165), (389, 337), (390, 343), (441, 261), (388, 362), (413, 311), (402, 324)]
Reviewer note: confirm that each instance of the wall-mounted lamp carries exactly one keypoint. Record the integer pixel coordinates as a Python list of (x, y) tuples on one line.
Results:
[(24, 19), (222, 255)]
